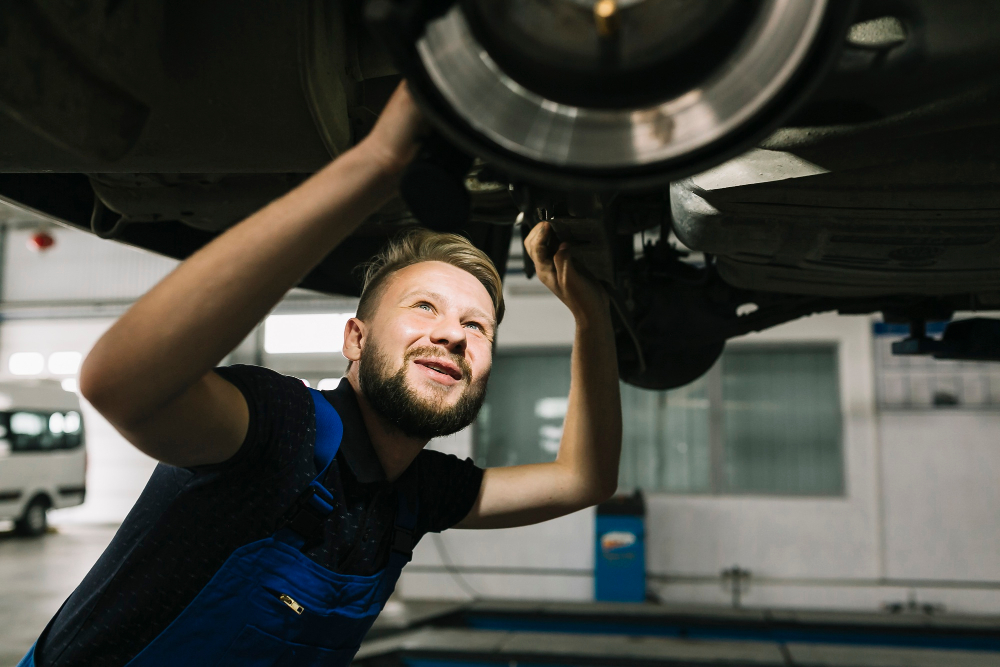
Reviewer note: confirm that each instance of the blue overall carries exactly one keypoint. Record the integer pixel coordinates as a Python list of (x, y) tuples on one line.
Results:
[(271, 605)]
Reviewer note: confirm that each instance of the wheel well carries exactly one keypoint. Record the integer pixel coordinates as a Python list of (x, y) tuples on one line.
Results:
[(43, 496)]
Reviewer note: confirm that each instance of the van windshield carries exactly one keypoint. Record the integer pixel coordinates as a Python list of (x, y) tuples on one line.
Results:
[(34, 430)]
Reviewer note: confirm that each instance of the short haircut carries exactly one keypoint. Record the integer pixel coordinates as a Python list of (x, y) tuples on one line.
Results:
[(423, 245)]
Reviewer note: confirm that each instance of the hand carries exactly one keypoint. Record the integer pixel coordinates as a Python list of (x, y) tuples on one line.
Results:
[(583, 295), (395, 139)]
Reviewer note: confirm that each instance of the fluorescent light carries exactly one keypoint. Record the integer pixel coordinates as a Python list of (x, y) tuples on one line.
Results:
[(307, 333), (26, 363), (65, 363), (328, 383), (70, 385), (305, 382)]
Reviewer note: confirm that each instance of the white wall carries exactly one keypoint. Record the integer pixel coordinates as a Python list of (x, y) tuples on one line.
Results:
[(79, 267), (942, 502), (695, 537)]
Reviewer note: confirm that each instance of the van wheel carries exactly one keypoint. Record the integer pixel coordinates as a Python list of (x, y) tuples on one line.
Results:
[(34, 521)]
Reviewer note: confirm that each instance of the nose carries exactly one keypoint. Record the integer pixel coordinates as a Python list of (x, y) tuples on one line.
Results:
[(449, 333)]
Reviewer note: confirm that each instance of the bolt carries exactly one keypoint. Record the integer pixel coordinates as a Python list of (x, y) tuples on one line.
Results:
[(606, 17)]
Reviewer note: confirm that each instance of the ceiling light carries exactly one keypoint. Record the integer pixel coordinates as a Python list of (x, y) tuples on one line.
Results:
[(26, 363)]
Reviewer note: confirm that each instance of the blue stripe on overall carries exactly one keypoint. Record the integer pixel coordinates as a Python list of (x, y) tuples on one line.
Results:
[(271, 605)]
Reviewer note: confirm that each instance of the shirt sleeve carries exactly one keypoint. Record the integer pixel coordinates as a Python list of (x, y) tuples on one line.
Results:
[(448, 487), (281, 419)]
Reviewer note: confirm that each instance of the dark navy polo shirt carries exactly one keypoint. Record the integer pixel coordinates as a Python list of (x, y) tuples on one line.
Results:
[(187, 521)]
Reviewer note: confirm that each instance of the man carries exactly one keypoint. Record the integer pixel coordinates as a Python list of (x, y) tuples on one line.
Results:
[(276, 526)]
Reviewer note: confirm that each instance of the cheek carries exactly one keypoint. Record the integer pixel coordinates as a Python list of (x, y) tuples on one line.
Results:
[(399, 334), (481, 358)]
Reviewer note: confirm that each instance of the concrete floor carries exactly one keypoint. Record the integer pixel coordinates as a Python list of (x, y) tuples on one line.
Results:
[(36, 576)]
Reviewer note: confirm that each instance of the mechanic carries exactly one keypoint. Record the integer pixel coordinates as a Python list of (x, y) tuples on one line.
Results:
[(275, 527)]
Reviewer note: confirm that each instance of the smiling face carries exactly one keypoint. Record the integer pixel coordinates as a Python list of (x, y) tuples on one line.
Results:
[(423, 357)]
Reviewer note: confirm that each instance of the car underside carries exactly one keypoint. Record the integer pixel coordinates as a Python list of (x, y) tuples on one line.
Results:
[(721, 167)]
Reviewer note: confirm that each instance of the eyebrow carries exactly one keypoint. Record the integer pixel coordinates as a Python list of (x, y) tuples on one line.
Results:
[(440, 297)]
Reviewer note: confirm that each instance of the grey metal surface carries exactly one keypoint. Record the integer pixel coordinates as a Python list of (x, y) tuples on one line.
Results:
[(496, 644), (525, 123), (716, 613), (833, 655)]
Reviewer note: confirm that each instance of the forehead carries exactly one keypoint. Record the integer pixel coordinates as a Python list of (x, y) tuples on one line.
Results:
[(459, 287)]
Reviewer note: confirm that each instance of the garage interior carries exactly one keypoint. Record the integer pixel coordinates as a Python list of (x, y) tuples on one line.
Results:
[(792, 205), (871, 540)]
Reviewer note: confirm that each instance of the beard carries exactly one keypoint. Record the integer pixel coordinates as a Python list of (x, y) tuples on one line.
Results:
[(403, 408)]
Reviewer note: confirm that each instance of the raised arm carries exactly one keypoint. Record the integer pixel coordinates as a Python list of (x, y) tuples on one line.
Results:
[(585, 471), (151, 374)]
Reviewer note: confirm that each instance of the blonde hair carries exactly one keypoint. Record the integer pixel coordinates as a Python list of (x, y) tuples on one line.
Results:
[(423, 245)]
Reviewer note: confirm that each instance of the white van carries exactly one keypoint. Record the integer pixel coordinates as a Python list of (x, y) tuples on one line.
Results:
[(43, 459)]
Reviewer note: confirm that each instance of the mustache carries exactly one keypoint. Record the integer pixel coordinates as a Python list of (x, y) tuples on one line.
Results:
[(433, 351)]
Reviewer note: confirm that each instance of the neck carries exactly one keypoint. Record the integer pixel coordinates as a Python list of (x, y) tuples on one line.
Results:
[(394, 449)]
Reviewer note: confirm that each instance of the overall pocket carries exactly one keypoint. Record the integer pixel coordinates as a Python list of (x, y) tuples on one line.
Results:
[(255, 648)]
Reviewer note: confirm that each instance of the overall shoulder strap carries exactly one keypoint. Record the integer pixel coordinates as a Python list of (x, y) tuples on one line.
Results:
[(308, 515), (329, 431)]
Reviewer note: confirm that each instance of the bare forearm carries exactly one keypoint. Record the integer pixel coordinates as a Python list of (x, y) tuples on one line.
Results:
[(182, 328), (592, 432)]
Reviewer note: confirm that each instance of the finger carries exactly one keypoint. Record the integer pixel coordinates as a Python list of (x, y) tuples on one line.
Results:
[(536, 233), (561, 261), (536, 244)]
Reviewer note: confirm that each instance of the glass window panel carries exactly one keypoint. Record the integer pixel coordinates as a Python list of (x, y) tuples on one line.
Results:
[(665, 439), (27, 423), (781, 421), (522, 417), (780, 430)]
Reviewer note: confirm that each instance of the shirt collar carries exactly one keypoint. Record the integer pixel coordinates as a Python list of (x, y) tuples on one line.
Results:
[(356, 445)]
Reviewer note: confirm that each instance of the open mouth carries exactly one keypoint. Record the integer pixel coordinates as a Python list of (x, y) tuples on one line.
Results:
[(441, 367)]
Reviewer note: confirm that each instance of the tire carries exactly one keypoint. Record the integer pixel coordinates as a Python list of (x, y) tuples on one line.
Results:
[(34, 522)]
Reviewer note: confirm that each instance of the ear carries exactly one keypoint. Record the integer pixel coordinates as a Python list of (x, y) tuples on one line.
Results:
[(354, 339)]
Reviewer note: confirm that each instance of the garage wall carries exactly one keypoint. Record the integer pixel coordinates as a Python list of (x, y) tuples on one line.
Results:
[(942, 470), (79, 268), (63, 299), (918, 519), (691, 537)]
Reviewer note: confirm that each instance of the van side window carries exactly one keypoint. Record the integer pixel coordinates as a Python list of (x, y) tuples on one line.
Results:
[(36, 431)]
